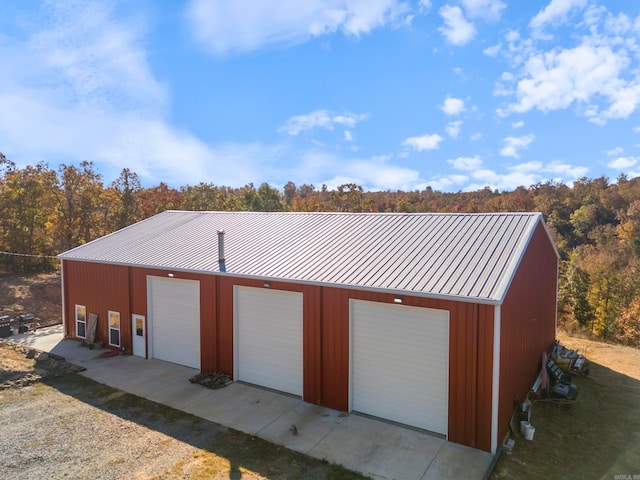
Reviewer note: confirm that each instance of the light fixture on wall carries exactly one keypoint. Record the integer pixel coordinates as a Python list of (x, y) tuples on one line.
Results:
[(397, 299), (170, 275), (267, 284)]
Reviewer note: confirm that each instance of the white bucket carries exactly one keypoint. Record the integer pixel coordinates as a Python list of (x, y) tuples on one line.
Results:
[(527, 430)]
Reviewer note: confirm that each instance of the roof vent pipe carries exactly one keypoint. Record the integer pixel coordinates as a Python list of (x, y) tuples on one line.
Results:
[(221, 264)]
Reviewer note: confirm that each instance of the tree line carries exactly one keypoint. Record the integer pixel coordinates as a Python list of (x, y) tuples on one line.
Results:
[(595, 224)]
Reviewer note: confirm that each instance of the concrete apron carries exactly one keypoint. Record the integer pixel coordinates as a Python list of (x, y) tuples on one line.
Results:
[(375, 448)]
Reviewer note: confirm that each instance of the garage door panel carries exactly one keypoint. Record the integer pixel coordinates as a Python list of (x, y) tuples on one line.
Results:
[(269, 338), (174, 306), (400, 363)]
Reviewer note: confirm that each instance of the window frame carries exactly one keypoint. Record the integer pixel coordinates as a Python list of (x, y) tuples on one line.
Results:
[(80, 321), (118, 329)]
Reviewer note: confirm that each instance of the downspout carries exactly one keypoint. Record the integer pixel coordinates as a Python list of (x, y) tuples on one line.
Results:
[(221, 264)]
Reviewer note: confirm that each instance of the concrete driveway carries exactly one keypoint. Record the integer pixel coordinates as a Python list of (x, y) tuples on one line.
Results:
[(375, 448)]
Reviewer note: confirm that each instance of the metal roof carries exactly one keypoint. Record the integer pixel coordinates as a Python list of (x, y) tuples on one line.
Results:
[(466, 256)]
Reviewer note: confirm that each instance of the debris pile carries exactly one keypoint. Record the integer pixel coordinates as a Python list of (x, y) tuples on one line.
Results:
[(212, 380), (570, 361), (46, 365), (554, 383), (554, 380)]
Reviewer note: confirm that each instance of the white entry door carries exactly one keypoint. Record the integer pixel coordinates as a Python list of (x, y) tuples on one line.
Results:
[(139, 330)]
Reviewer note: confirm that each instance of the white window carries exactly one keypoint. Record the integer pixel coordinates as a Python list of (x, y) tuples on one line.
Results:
[(114, 329), (81, 321)]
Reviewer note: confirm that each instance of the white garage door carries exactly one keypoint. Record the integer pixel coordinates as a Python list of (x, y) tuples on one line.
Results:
[(174, 319), (268, 337), (400, 363)]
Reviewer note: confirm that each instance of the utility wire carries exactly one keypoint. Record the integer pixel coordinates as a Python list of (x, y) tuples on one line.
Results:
[(29, 255)]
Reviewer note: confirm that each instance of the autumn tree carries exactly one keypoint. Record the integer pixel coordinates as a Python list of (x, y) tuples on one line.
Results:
[(289, 193), (127, 187), (351, 198), (628, 331), (157, 199), (26, 201), (79, 218), (264, 199)]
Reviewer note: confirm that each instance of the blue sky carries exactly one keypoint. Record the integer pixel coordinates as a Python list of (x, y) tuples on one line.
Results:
[(389, 94)]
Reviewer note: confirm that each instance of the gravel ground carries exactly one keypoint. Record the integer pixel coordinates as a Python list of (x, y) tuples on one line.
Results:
[(70, 427), (65, 426), (47, 434)]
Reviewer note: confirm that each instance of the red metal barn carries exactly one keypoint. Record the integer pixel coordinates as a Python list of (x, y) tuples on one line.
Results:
[(436, 321)]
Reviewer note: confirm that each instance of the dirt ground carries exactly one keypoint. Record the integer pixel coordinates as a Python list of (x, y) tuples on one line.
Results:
[(39, 294), (598, 437), (64, 425)]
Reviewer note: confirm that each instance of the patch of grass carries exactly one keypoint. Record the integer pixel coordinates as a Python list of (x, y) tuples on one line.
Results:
[(597, 437)]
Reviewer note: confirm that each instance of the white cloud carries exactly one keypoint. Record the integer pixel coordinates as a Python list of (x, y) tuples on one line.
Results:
[(524, 174), (615, 152), (320, 119), (228, 26), (466, 163), (493, 50), (623, 163), (373, 173), (456, 29), (571, 171), (486, 9), (453, 128), (452, 106), (348, 137), (556, 12), (349, 119), (599, 75), (475, 137), (96, 61), (81, 88), (518, 124), (527, 167), (513, 145), (554, 80), (448, 182), (424, 142), (425, 6)]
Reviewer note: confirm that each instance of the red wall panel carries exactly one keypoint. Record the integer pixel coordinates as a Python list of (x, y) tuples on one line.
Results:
[(326, 335), (100, 288), (470, 359), (208, 319), (311, 328), (527, 324)]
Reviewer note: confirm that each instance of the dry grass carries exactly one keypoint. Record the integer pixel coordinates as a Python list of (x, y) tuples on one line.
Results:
[(39, 294), (598, 437)]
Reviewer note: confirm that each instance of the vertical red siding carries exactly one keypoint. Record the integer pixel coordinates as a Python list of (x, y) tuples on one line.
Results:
[(208, 323), (311, 306), (335, 348), (527, 324), (225, 325), (138, 287), (312, 348), (326, 335), (484, 364), (100, 288), (470, 359)]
